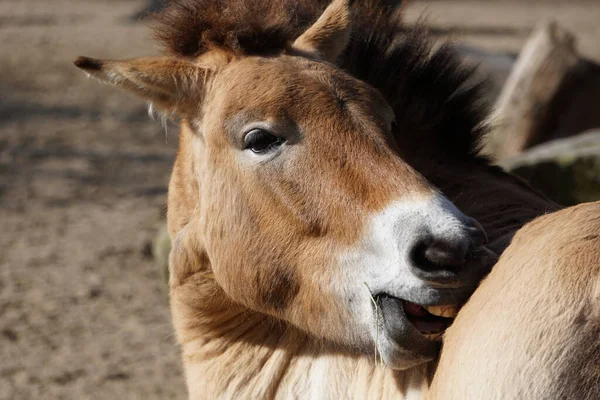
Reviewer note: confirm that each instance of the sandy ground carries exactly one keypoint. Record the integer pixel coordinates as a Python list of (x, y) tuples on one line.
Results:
[(83, 176), (504, 25)]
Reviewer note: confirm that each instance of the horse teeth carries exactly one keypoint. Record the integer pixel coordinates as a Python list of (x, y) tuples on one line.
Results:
[(433, 336), (443, 311)]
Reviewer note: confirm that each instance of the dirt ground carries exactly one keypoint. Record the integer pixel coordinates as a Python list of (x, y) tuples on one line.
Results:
[(83, 177)]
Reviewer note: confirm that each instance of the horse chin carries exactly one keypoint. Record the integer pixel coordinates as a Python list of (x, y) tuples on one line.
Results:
[(408, 334), (400, 358)]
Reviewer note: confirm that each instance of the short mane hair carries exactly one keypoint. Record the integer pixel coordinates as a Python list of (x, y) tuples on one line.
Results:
[(436, 101)]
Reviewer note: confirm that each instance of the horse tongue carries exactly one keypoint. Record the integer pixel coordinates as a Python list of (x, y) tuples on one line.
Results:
[(414, 310)]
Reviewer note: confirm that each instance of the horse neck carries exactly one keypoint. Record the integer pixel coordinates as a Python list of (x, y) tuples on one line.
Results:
[(500, 201), (240, 354)]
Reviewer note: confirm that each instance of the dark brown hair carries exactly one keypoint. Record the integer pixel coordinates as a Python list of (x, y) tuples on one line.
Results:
[(433, 95)]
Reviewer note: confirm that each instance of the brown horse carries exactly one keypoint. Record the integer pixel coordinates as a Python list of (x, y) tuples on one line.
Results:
[(310, 234)]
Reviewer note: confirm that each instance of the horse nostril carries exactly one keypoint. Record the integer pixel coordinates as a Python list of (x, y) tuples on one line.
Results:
[(453, 257), (434, 254)]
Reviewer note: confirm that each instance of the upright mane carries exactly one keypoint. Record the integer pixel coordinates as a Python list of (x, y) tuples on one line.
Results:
[(437, 103)]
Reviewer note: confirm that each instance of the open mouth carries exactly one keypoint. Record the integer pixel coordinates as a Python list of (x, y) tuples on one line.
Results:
[(429, 321)]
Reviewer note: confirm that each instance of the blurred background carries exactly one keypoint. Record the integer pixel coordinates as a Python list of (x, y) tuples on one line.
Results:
[(84, 174)]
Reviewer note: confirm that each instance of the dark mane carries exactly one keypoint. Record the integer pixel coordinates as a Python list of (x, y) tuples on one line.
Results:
[(438, 108), (246, 27)]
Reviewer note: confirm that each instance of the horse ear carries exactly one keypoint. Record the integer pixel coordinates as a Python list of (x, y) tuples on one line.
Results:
[(328, 37), (170, 84)]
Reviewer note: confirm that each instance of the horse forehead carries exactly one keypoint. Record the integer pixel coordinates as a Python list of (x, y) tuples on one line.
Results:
[(287, 80)]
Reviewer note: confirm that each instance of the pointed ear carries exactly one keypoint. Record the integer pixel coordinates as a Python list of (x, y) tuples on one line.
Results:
[(328, 37), (170, 84)]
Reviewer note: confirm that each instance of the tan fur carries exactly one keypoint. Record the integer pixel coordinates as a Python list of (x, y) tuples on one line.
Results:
[(532, 329), (328, 37), (280, 218), (230, 351), (168, 83), (255, 240)]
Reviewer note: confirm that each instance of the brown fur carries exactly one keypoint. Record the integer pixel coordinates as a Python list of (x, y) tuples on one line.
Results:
[(305, 219), (484, 354), (501, 202), (255, 282), (328, 37), (89, 64), (436, 109)]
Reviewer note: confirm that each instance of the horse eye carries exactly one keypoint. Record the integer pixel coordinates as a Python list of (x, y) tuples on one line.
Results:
[(261, 141)]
